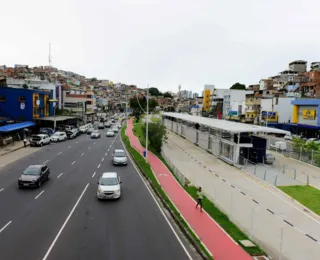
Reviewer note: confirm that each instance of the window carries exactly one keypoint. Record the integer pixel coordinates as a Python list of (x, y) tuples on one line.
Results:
[(2, 98), (22, 99)]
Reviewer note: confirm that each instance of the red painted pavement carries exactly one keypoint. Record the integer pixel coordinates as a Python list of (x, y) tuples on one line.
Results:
[(221, 246)]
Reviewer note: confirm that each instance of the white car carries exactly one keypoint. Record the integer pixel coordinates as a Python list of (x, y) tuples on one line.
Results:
[(115, 129), (109, 186), (119, 126), (288, 137), (39, 140), (119, 157), (58, 136), (95, 134), (110, 133)]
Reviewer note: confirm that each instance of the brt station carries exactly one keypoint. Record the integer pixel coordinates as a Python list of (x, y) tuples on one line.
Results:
[(235, 143)]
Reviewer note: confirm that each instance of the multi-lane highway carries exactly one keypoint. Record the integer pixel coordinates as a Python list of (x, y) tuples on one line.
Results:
[(63, 219)]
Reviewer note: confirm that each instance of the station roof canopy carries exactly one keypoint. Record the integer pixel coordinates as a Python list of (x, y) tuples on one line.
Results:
[(58, 118), (225, 125)]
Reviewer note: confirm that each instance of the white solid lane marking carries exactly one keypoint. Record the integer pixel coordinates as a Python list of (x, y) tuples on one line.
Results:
[(5, 226), (93, 174), (45, 162), (1, 189), (99, 166), (161, 210), (82, 154), (59, 175), (65, 223), (73, 163), (89, 148), (39, 195), (59, 153), (69, 146), (102, 159)]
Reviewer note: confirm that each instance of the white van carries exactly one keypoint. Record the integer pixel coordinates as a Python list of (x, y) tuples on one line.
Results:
[(279, 145)]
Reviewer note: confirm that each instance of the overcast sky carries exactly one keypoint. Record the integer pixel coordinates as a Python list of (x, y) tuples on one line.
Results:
[(163, 43)]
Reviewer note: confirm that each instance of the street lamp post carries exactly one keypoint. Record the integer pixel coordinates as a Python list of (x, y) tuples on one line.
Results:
[(147, 124)]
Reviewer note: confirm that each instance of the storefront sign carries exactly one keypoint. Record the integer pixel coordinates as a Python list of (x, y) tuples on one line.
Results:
[(308, 114), (269, 115), (22, 105)]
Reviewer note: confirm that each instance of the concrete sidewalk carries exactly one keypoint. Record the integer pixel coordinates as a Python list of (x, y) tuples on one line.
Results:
[(302, 169), (255, 207), (12, 147)]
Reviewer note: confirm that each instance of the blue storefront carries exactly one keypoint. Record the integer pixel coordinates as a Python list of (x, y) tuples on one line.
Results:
[(25, 104)]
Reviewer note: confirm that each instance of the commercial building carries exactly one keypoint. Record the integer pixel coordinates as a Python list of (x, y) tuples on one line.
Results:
[(232, 99), (305, 117), (25, 104), (232, 142)]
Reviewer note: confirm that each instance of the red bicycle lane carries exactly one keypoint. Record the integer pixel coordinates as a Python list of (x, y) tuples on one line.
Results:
[(220, 245)]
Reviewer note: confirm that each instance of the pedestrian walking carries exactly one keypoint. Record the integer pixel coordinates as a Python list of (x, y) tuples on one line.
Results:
[(199, 198)]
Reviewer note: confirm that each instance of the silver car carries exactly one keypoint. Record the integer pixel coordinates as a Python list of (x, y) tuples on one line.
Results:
[(110, 133), (95, 134), (119, 157), (109, 186), (269, 159)]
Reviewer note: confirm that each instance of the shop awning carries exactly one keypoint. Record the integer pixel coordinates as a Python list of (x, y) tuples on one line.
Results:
[(14, 127)]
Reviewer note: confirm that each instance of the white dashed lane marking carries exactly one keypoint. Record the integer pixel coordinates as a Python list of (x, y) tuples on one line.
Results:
[(59, 175), (73, 163), (39, 195), (93, 174)]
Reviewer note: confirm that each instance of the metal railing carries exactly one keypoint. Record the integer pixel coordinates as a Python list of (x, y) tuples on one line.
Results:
[(181, 178)]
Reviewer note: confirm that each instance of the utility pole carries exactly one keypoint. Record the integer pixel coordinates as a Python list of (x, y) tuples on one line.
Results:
[(147, 124), (49, 54)]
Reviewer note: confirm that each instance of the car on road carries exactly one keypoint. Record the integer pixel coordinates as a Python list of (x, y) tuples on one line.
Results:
[(109, 186), (90, 130), (119, 126), (269, 158), (95, 134), (115, 129), (72, 133), (119, 157), (110, 133), (101, 126), (39, 140), (107, 125), (113, 121), (58, 137), (34, 176)]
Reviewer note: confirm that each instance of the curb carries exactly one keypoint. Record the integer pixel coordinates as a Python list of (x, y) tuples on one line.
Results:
[(14, 150)]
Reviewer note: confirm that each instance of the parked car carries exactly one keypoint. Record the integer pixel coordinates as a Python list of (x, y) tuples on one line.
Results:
[(110, 133), (58, 136), (83, 129), (269, 159), (109, 186), (90, 130), (34, 176), (47, 131), (72, 134), (95, 134), (39, 140), (288, 137), (279, 145), (101, 126), (119, 157)]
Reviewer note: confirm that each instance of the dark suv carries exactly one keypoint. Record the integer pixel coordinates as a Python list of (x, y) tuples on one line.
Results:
[(34, 176)]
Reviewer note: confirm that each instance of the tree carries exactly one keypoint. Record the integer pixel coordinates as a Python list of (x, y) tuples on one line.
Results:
[(156, 135), (134, 104), (154, 92), (298, 143), (167, 95), (238, 86)]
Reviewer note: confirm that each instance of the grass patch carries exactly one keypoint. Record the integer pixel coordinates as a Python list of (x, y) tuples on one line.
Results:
[(155, 119), (146, 170), (306, 195), (221, 218)]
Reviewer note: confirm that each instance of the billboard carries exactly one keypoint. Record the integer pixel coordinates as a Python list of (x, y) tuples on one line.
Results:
[(269, 116), (206, 100), (309, 114)]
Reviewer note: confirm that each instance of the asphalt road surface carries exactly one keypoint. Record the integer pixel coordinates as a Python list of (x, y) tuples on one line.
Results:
[(63, 219)]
